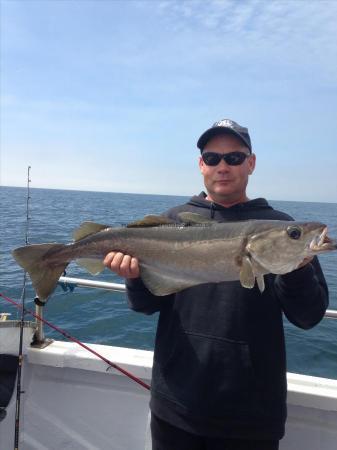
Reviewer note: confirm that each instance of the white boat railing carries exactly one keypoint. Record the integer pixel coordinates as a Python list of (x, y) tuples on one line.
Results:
[(119, 287), (93, 284)]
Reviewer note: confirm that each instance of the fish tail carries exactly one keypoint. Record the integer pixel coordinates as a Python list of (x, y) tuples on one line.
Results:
[(43, 273)]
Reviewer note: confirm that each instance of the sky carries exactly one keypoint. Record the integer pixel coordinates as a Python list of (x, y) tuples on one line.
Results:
[(112, 96)]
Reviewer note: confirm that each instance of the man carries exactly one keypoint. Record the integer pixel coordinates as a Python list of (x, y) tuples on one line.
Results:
[(219, 372)]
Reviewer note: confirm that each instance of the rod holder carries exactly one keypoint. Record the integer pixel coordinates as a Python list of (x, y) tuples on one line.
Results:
[(39, 339)]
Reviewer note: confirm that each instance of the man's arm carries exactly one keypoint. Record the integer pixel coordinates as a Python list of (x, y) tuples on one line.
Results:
[(303, 294)]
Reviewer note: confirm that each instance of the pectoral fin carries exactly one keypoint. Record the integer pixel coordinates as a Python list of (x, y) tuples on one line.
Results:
[(260, 282), (247, 277)]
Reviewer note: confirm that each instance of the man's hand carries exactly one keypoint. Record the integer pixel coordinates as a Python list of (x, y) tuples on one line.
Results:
[(124, 265)]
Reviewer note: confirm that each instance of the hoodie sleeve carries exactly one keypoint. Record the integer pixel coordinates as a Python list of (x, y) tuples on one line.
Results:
[(140, 299), (303, 294)]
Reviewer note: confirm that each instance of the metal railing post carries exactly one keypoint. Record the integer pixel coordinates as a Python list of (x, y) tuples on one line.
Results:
[(40, 329), (39, 339)]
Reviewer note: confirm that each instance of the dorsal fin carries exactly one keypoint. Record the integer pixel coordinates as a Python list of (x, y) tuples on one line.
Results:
[(193, 218), (151, 221), (88, 228)]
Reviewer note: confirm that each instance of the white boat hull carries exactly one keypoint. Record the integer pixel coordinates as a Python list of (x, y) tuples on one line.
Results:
[(72, 400)]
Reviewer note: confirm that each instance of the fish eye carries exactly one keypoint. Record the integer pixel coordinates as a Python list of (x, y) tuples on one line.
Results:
[(294, 232)]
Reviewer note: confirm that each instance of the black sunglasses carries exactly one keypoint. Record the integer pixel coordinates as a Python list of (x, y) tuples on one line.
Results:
[(232, 158)]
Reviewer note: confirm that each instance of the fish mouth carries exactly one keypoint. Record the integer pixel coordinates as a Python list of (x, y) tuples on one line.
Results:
[(322, 242)]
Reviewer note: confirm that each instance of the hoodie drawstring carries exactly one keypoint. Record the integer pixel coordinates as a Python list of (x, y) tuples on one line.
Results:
[(212, 210)]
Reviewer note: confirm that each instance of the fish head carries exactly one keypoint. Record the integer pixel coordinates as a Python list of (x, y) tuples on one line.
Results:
[(284, 245)]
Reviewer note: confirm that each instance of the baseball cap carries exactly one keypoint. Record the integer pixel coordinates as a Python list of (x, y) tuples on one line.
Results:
[(225, 126)]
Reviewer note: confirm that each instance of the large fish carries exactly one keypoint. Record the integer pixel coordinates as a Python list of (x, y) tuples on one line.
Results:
[(173, 257)]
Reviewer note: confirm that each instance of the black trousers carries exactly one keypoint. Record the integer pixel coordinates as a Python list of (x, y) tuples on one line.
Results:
[(168, 437)]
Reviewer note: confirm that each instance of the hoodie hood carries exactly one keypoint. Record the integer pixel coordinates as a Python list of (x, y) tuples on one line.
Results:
[(257, 209), (201, 202)]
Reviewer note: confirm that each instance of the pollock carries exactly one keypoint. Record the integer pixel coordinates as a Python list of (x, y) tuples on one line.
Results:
[(173, 257)]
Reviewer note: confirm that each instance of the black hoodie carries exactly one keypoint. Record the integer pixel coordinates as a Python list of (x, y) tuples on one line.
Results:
[(219, 361)]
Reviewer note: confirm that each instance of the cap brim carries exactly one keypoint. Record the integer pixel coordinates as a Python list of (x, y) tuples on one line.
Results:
[(216, 131)]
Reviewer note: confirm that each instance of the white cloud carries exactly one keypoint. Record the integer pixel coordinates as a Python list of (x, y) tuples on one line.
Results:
[(287, 32)]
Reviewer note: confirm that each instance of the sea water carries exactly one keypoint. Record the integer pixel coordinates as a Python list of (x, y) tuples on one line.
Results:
[(103, 317)]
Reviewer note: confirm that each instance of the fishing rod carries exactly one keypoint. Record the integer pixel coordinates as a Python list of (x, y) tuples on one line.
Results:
[(22, 319), (71, 338)]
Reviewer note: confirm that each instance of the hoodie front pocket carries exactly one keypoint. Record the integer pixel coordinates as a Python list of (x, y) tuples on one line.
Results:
[(208, 375)]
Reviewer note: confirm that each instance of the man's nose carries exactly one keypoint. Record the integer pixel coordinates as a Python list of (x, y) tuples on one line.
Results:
[(222, 166)]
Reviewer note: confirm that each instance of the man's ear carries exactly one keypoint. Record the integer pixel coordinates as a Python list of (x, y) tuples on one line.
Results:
[(252, 163)]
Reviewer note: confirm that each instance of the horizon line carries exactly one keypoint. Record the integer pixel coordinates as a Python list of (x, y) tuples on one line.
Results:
[(162, 195)]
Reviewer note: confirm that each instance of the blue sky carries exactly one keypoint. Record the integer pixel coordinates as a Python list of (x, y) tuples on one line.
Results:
[(113, 95)]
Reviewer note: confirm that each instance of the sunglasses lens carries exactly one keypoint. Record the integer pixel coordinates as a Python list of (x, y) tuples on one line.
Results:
[(235, 158), (211, 159)]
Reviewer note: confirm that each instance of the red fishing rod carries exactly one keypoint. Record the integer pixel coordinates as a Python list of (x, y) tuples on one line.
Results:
[(71, 338)]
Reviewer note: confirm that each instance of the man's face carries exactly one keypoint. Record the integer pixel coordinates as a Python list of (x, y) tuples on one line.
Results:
[(225, 183)]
